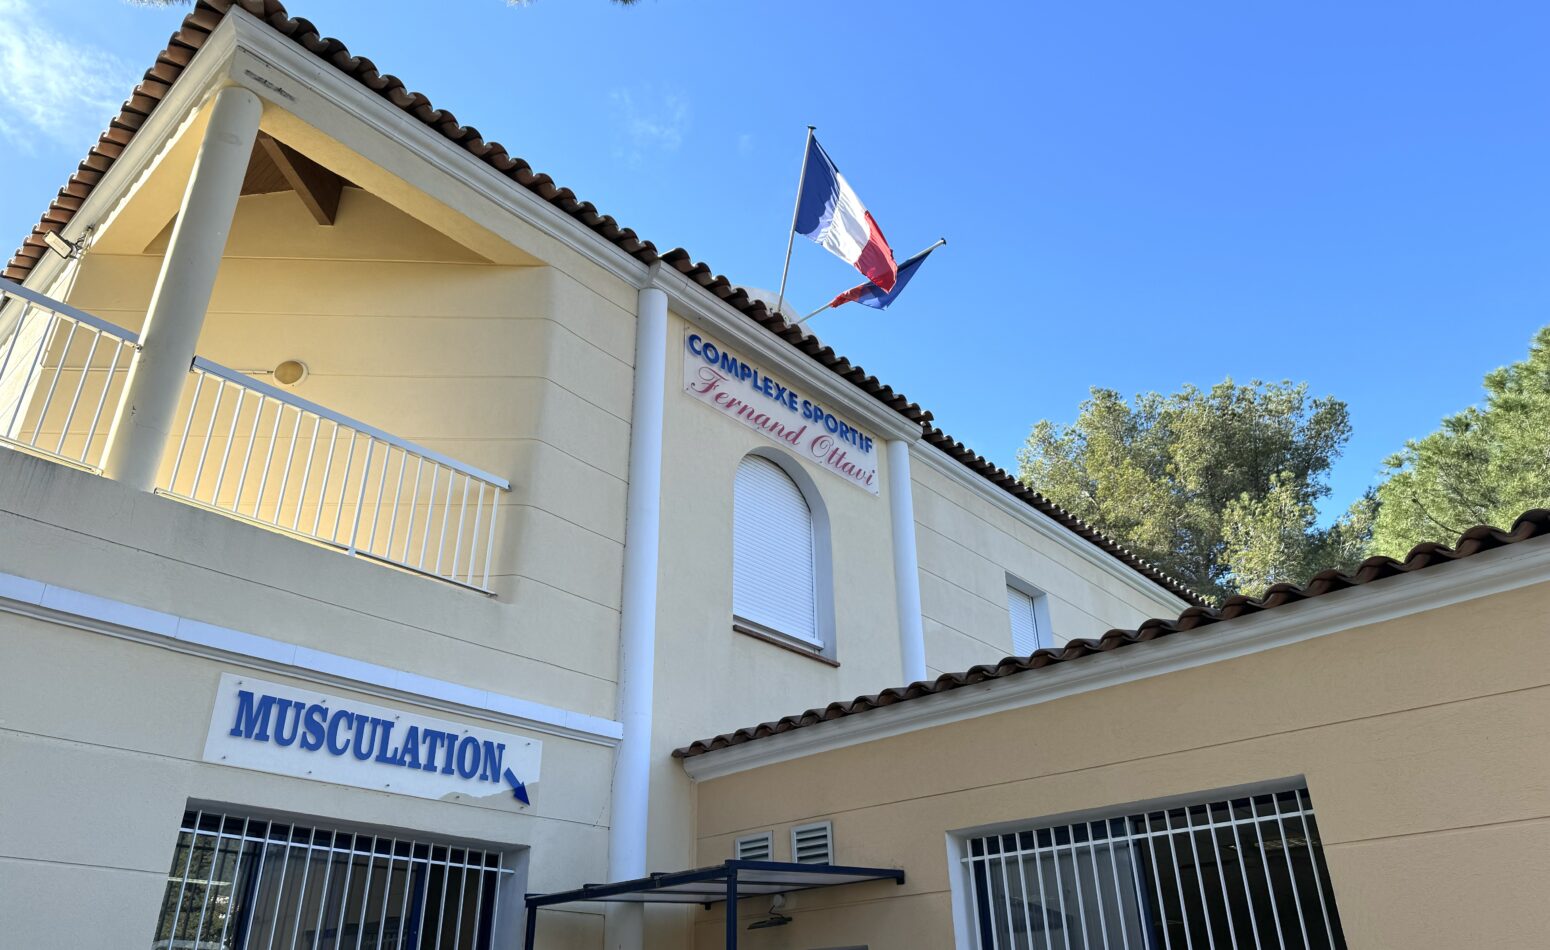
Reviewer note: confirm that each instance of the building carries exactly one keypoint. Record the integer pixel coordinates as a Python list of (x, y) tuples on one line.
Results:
[(381, 525), (377, 517), (1359, 762)]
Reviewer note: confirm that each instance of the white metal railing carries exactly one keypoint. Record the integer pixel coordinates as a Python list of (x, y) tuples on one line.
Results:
[(61, 372), (265, 455)]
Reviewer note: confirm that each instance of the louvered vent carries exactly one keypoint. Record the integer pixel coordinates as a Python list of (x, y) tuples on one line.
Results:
[(758, 847), (813, 844)]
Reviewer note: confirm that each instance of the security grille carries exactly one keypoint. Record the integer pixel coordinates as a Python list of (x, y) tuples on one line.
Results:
[(1247, 872), (239, 883)]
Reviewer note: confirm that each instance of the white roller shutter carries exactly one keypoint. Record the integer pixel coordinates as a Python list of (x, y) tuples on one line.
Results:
[(773, 584), (1025, 624)]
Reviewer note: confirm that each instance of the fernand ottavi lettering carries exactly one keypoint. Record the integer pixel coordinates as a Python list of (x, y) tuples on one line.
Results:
[(737, 388)]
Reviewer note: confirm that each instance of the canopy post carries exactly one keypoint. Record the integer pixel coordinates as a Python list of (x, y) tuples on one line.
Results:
[(732, 909), (532, 928)]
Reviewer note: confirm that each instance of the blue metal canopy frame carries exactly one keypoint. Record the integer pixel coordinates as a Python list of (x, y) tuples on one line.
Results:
[(727, 881)]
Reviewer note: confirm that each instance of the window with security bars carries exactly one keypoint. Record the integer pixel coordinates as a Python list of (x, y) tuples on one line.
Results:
[(240, 882), (1245, 872)]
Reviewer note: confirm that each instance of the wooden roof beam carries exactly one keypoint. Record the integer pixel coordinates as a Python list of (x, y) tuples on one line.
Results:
[(318, 187)]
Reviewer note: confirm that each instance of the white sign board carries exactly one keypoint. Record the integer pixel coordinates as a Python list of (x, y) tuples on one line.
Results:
[(735, 387), (306, 734)]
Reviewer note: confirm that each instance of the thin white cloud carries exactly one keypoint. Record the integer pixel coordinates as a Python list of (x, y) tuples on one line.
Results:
[(648, 122), (51, 86)]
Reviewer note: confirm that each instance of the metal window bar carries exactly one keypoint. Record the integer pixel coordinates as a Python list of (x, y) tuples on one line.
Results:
[(1175, 876), (238, 883), (58, 368), (331, 472)]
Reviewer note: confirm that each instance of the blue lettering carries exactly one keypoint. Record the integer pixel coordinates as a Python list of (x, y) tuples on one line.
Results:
[(712, 354), (313, 726), (831, 423), (281, 711), (494, 752), (409, 754), (433, 740), (746, 372), (340, 717), (451, 749), (468, 757), (362, 750), (397, 757), (252, 723), (694, 343)]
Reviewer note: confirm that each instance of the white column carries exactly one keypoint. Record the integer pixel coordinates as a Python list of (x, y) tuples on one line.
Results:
[(638, 618), (177, 311), (906, 569)]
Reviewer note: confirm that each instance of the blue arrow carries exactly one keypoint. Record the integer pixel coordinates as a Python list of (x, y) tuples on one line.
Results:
[(518, 789)]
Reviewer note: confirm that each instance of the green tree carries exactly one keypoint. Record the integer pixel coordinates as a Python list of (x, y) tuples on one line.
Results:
[(1217, 487), (1486, 465)]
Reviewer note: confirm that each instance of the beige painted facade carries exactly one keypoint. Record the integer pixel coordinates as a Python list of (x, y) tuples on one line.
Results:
[(1421, 739), (450, 308)]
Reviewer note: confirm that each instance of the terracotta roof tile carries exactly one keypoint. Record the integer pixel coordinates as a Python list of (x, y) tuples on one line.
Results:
[(207, 15), (1532, 524)]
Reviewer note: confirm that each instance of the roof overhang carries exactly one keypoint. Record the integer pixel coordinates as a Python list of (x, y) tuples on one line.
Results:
[(1485, 562)]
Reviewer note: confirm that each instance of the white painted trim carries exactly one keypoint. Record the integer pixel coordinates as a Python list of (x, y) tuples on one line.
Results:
[(958, 888), (198, 80), (630, 816), (1491, 572), (27, 597), (274, 65), (906, 563), (1045, 525), (280, 62)]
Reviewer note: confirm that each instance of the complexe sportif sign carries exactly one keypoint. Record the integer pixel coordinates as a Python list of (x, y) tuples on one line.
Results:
[(733, 386), (274, 728)]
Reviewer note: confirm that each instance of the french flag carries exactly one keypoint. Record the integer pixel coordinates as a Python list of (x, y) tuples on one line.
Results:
[(830, 214), (871, 295)]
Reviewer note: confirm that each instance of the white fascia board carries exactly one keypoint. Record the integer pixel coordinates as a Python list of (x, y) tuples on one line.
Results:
[(941, 462), (281, 72), (278, 70), (1492, 572), (116, 618), (202, 77)]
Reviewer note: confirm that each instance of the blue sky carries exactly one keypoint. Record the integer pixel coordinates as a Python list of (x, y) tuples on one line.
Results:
[(1136, 196)]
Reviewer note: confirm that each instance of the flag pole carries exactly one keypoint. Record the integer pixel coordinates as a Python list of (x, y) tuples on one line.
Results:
[(939, 243), (791, 236), (812, 315)]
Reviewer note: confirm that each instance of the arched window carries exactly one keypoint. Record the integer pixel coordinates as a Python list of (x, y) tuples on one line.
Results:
[(774, 575)]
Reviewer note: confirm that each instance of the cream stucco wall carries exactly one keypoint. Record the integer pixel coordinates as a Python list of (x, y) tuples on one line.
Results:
[(102, 737), (431, 313), (969, 540), (1422, 741)]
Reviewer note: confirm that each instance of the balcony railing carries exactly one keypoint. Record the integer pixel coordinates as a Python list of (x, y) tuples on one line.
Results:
[(61, 371), (248, 449)]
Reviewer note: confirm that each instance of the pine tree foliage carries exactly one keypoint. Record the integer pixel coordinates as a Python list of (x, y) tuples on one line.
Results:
[(1486, 465), (1217, 487)]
